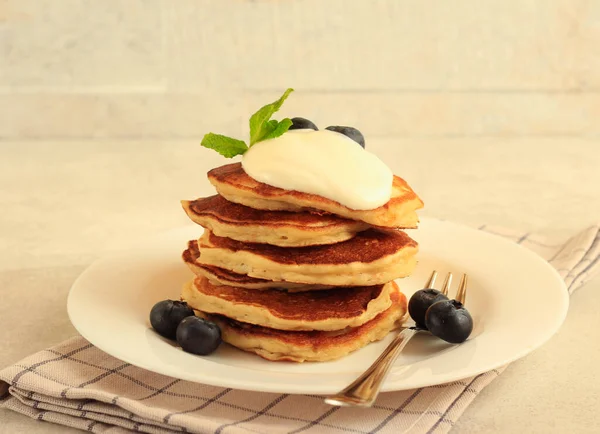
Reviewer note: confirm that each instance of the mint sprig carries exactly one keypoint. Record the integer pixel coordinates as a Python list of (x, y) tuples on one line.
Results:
[(262, 127)]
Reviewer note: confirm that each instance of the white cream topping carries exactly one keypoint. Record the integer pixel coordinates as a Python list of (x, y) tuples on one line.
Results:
[(325, 163)]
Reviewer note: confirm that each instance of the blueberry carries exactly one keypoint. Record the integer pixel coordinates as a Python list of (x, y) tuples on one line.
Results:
[(420, 302), (302, 124), (198, 336), (353, 133), (166, 315), (450, 321)]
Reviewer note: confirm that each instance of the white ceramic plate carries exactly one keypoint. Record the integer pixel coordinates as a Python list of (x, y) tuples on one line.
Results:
[(517, 301)]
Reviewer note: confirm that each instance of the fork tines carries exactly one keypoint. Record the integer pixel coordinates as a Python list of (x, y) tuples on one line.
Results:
[(461, 294)]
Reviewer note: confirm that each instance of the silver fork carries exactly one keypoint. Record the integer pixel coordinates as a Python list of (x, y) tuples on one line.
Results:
[(363, 391)]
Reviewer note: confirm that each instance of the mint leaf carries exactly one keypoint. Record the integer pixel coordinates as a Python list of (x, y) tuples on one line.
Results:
[(260, 126), (277, 129), (226, 146), (269, 127)]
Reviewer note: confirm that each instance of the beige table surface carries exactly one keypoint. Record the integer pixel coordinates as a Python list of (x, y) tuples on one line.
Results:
[(64, 204)]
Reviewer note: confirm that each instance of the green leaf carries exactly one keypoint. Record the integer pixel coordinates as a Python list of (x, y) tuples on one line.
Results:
[(278, 128), (259, 122), (269, 127), (226, 146)]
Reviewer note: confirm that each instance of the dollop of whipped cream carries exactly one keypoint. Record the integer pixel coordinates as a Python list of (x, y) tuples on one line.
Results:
[(324, 163)]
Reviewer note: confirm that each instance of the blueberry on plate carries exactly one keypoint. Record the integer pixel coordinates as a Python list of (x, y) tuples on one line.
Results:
[(198, 336), (166, 315), (302, 124), (350, 132), (450, 321), (420, 302)]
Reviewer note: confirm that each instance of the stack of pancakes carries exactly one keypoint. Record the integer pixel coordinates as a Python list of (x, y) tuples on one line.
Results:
[(295, 276)]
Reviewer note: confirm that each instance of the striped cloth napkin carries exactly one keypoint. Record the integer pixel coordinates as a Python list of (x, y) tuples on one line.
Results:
[(77, 385)]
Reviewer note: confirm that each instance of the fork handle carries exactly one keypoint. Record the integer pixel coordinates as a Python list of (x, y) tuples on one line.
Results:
[(364, 390)]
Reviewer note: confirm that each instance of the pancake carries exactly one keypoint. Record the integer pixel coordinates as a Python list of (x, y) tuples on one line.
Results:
[(313, 346), (335, 309), (218, 275), (280, 228), (370, 258), (236, 186)]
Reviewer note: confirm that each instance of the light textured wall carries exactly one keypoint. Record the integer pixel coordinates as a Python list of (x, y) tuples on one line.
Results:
[(393, 68)]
